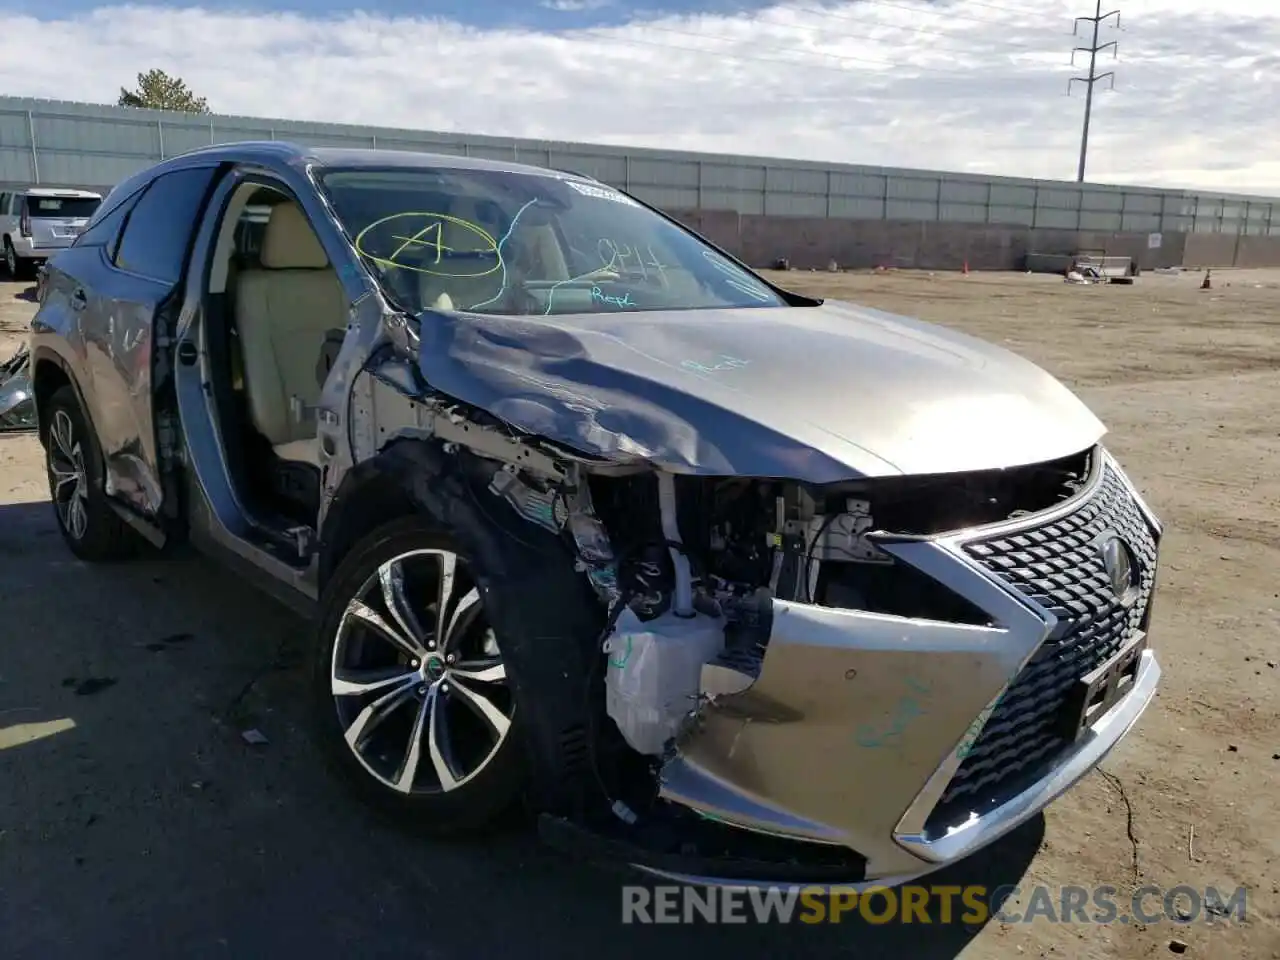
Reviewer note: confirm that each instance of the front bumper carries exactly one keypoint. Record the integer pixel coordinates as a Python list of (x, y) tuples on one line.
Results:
[(917, 742)]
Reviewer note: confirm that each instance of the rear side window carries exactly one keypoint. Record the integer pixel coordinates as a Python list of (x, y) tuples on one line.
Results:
[(106, 229), (158, 229), (71, 208)]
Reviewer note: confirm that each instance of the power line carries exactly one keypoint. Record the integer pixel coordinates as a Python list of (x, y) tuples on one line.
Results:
[(1093, 77)]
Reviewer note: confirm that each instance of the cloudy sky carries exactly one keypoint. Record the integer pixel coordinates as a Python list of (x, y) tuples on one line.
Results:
[(941, 84)]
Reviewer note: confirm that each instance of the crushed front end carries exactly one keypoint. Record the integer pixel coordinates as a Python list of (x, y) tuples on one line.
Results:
[(861, 681)]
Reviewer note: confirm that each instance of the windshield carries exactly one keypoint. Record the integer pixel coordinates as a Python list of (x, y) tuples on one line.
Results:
[(495, 242), (74, 208)]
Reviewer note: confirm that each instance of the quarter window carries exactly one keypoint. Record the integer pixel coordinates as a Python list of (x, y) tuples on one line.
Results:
[(158, 229), (105, 230)]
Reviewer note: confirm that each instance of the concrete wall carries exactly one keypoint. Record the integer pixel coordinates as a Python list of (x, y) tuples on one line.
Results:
[(811, 242)]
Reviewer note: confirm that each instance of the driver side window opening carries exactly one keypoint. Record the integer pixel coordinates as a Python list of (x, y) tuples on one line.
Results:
[(277, 316)]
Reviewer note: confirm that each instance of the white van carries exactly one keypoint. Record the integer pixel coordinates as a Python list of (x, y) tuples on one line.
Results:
[(37, 222)]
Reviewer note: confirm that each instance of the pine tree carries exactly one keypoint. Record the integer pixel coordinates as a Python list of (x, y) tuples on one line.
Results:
[(159, 91)]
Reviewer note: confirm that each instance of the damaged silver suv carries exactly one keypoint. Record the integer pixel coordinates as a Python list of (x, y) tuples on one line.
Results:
[(715, 579)]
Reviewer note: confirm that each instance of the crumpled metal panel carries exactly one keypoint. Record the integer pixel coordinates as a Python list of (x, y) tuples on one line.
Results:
[(809, 393), (17, 402)]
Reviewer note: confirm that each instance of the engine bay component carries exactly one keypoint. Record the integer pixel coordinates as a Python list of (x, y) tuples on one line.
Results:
[(652, 681)]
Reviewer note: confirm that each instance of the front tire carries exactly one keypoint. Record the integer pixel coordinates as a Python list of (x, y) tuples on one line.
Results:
[(89, 527), (413, 708)]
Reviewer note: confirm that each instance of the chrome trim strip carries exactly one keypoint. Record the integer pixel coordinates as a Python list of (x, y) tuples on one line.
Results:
[(1105, 734)]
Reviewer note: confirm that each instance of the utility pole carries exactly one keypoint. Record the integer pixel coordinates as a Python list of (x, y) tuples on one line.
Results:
[(1093, 49)]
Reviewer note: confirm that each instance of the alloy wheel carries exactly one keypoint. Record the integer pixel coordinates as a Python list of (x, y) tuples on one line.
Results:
[(70, 482), (417, 678)]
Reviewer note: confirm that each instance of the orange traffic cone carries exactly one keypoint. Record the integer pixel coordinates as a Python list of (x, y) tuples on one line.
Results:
[(965, 270)]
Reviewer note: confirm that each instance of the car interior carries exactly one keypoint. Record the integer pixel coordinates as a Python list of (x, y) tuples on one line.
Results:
[(276, 315)]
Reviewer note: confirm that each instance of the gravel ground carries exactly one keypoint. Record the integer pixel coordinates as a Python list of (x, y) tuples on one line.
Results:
[(134, 820)]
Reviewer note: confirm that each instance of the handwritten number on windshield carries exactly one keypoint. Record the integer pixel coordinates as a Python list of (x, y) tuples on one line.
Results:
[(618, 255)]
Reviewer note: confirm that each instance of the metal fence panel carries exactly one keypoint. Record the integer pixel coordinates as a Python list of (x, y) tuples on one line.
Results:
[(1054, 218), (795, 204), (911, 210), (913, 188), (1099, 220), (1022, 216), (1102, 201), (963, 212), (858, 185), (1047, 197), (1005, 196), (738, 201), (857, 208), (960, 191), (794, 180), (725, 176), (74, 144)]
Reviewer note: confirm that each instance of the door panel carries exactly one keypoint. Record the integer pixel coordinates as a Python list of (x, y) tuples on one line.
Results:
[(127, 312)]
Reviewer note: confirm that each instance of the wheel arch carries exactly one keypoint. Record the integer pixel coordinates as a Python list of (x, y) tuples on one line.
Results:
[(548, 646), (49, 373), (372, 493)]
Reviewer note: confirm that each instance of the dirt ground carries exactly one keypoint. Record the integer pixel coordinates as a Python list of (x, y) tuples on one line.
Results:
[(148, 826)]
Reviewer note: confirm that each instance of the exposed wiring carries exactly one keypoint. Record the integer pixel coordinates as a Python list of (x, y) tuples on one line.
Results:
[(808, 559)]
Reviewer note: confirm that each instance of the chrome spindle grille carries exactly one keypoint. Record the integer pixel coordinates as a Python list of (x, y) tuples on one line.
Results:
[(1059, 567)]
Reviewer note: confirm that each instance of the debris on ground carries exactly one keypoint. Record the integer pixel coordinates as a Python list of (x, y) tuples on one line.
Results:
[(89, 686), (1177, 946), (253, 737)]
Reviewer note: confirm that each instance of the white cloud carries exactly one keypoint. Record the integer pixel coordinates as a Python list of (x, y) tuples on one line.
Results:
[(574, 6), (953, 84)]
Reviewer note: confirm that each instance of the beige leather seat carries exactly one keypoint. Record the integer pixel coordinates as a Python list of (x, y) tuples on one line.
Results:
[(283, 310)]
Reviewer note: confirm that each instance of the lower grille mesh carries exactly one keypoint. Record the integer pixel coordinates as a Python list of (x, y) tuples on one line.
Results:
[(1060, 568)]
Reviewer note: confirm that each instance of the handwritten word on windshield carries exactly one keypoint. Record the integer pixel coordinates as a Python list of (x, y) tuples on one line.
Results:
[(415, 241), (621, 302)]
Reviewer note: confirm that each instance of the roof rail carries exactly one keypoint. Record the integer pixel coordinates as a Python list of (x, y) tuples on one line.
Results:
[(576, 173), (287, 147)]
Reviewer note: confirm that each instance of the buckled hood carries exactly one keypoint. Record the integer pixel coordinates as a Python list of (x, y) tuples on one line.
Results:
[(818, 394)]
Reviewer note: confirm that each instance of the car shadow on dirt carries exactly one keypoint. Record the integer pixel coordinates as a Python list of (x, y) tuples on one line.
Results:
[(141, 818)]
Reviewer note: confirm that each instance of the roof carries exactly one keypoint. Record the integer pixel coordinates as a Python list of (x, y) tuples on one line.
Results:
[(59, 192), (365, 157)]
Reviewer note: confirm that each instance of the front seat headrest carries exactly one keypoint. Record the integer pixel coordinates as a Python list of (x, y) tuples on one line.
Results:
[(289, 242)]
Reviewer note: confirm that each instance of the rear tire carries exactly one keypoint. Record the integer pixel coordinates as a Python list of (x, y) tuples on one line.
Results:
[(412, 706), (92, 530), (12, 265)]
